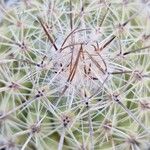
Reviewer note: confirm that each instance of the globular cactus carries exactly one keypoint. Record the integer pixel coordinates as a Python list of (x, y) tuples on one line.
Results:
[(75, 75)]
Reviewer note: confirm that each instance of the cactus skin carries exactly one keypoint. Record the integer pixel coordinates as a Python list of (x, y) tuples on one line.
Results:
[(75, 74)]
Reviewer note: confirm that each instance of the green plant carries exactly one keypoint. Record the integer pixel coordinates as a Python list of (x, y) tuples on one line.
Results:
[(75, 75)]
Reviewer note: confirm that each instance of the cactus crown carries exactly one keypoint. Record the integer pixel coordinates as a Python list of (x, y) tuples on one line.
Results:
[(75, 74)]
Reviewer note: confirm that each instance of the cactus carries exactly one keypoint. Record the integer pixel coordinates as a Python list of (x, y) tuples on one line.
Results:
[(75, 75)]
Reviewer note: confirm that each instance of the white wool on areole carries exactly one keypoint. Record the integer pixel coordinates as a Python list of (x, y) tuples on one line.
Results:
[(80, 65)]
